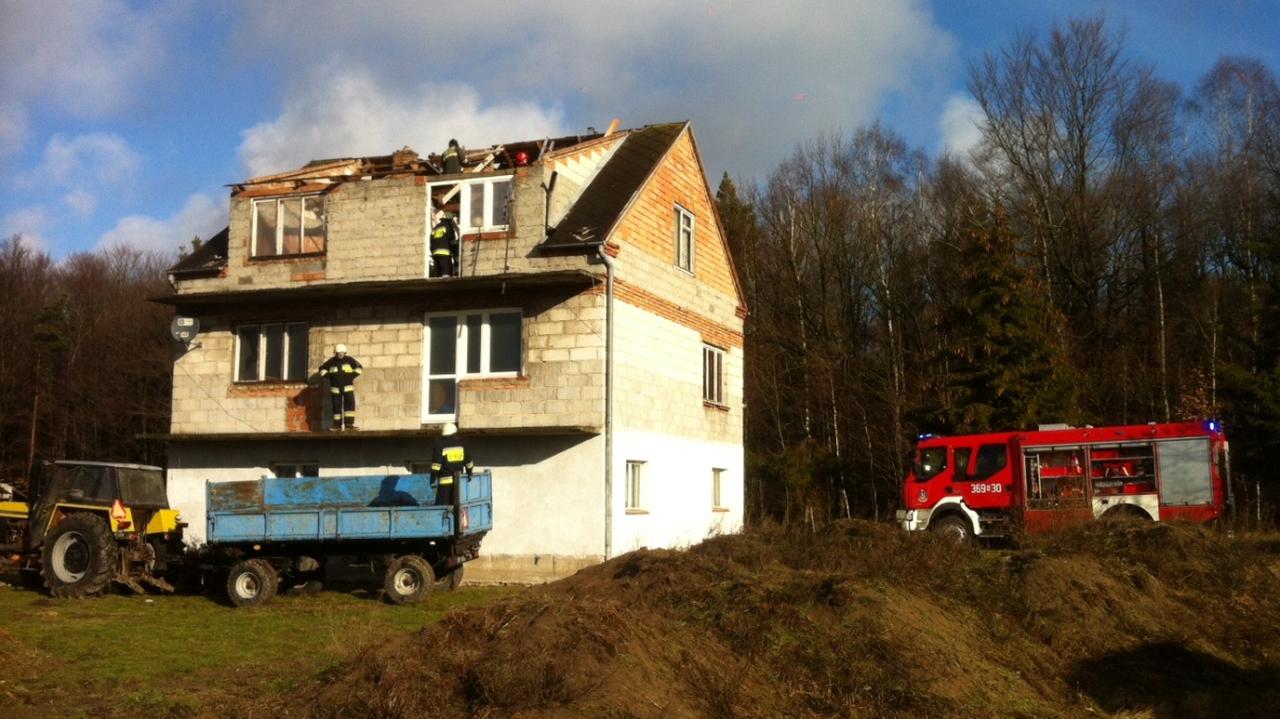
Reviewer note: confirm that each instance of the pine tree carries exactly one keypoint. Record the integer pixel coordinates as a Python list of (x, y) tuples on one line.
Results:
[(1007, 366)]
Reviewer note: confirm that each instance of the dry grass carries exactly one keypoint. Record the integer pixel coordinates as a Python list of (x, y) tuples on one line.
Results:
[(857, 620)]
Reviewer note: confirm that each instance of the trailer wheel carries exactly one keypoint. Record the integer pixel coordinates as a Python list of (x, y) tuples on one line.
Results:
[(954, 528), (252, 582), (79, 557), (409, 580), (450, 581)]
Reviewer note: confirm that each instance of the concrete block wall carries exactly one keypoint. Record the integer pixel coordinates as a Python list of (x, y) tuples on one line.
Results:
[(563, 373), (386, 340)]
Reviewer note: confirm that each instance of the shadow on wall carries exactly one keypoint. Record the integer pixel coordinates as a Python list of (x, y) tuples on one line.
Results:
[(1170, 681)]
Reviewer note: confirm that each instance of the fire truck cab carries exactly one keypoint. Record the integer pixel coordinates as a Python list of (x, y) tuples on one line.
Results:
[(987, 485)]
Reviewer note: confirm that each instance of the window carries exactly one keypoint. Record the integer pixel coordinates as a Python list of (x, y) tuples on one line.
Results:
[(482, 343), (635, 471), (286, 226), (991, 459), (716, 476), (271, 352), (712, 374), (684, 239), (962, 462), (293, 470), (481, 205), (930, 463)]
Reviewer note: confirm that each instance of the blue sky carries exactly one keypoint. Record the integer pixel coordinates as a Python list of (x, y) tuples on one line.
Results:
[(122, 122)]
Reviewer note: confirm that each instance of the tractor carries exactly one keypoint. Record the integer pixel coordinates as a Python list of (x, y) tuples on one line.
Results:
[(91, 524)]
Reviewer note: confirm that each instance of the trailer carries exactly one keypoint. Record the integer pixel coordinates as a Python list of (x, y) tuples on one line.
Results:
[(989, 485), (380, 529)]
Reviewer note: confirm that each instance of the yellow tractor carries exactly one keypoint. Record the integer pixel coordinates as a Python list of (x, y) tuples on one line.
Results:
[(90, 524)]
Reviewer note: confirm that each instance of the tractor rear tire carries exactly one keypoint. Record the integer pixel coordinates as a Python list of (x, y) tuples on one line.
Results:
[(451, 580), (79, 557), (954, 528), (252, 582), (409, 580)]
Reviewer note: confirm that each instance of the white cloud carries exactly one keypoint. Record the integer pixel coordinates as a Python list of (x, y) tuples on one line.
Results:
[(30, 222), (99, 158), (199, 216), (81, 203), (85, 58), (347, 112), (960, 125), (756, 78)]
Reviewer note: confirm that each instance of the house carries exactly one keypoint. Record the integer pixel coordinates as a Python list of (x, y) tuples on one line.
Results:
[(589, 347)]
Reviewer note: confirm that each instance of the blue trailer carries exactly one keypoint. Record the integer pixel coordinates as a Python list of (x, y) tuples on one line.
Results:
[(313, 529)]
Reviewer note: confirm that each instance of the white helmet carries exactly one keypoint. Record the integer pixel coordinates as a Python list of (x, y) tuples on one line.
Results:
[(340, 349), (449, 429)]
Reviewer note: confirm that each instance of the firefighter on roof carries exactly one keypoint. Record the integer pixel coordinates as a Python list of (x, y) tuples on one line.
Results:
[(452, 158), (341, 370), (450, 461), (444, 243)]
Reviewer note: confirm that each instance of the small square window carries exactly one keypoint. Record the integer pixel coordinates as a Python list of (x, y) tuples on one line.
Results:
[(635, 472), (684, 239)]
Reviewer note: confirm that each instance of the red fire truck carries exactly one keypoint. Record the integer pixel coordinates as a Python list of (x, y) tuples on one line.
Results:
[(986, 485)]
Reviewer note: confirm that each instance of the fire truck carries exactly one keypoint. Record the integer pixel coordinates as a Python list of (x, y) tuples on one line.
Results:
[(988, 485)]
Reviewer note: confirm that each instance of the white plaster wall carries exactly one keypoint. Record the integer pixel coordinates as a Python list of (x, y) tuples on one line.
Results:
[(548, 491), (675, 490)]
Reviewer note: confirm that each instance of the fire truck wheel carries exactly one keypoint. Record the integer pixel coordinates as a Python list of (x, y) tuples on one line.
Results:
[(252, 582), (450, 581), (1125, 513), (79, 557), (954, 528), (409, 580)]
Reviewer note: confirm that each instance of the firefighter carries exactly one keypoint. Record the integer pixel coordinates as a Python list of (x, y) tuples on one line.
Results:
[(341, 370), (452, 158), (450, 461), (444, 246)]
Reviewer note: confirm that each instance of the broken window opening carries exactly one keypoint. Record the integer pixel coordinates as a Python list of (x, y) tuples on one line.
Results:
[(289, 226)]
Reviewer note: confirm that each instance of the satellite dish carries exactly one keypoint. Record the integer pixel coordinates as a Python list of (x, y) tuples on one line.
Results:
[(184, 329)]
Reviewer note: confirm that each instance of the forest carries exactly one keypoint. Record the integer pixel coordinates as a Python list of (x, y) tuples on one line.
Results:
[(1106, 254)]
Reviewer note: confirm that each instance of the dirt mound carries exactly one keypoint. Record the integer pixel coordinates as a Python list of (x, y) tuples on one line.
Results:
[(856, 620)]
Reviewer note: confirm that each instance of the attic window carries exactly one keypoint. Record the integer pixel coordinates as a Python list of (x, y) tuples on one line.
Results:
[(684, 239), (285, 226)]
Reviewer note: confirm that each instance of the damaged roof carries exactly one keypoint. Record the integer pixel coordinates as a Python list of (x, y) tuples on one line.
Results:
[(209, 258), (602, 203)]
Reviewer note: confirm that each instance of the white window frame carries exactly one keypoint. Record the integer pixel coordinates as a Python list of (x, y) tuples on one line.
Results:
[(685, 244), (302, 239), (464, 202), (460, 353), (262, 351), (634, 485), (717, 487), (713, 375), (298, 469)]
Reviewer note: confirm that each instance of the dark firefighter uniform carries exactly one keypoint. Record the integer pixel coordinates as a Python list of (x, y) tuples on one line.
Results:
[(444, 240), (341, 370), (450, 461), (452, 158)]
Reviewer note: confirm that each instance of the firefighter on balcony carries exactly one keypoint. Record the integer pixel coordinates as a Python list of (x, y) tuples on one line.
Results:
[(341, 370), (452, 158), (444, 246), (449, 462)]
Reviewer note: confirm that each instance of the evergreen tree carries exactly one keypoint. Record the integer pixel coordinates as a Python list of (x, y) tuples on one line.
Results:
[(1005, 360)]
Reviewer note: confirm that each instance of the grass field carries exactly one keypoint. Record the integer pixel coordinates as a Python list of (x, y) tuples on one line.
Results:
[(186, 655)]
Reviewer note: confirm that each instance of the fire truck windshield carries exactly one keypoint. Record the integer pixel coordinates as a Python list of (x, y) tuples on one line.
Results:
[(929, 462)]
